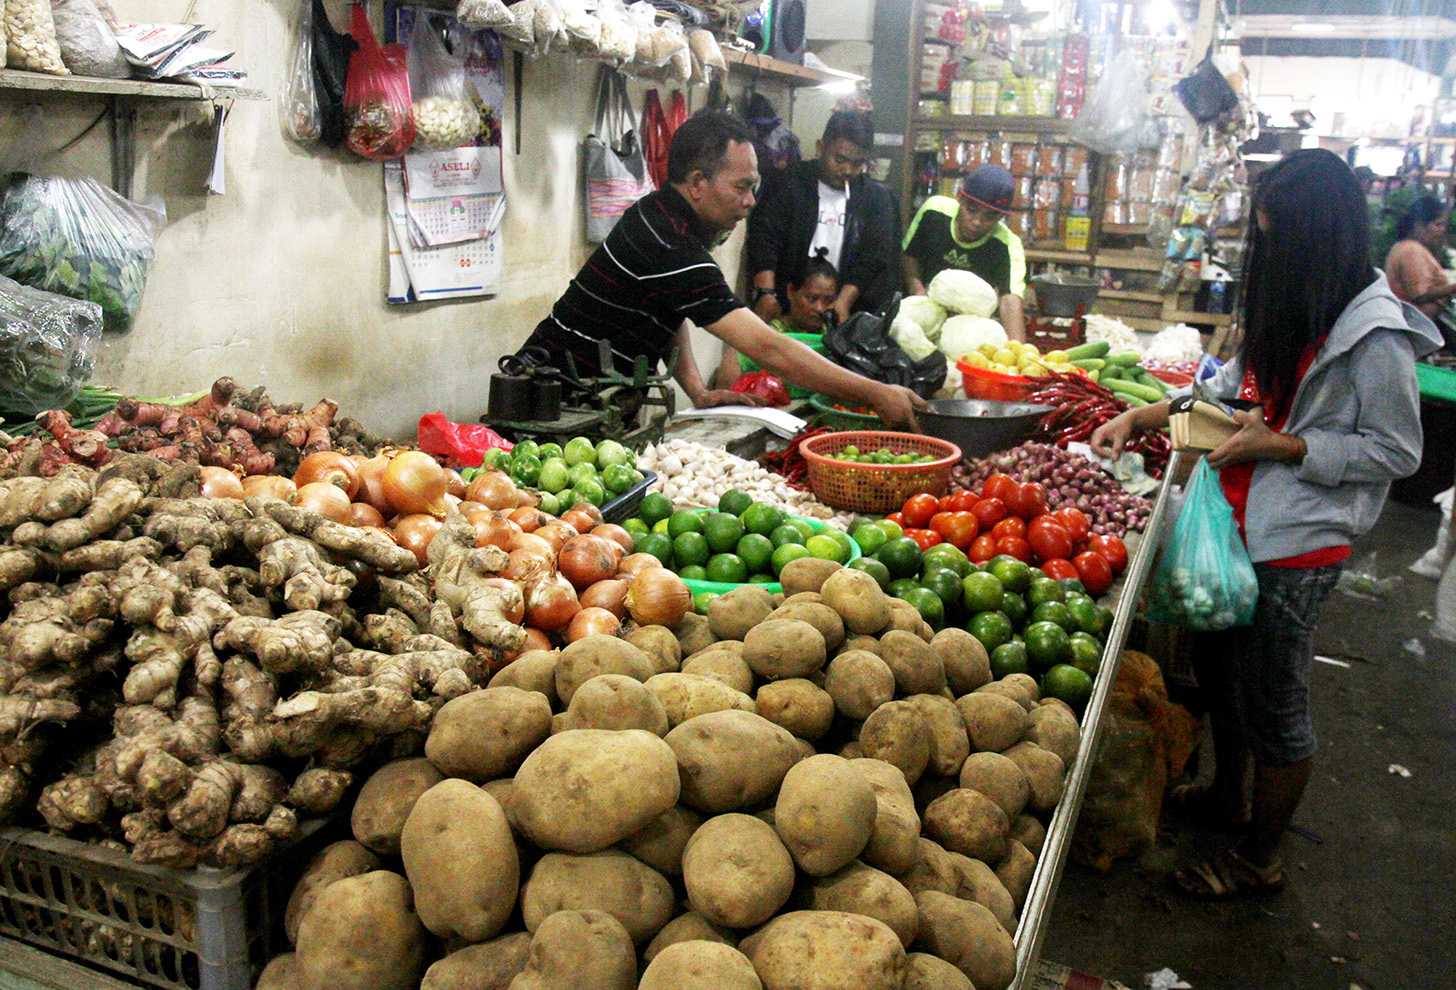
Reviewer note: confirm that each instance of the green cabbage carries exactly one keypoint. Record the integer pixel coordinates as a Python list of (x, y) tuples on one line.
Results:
[(911, 338), (924, 311), (962, 334), (963, 292)]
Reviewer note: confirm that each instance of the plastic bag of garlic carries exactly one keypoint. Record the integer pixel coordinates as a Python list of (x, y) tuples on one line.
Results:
[(695, 476)]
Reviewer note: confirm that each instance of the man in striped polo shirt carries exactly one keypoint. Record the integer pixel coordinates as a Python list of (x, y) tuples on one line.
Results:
[(654, 273)]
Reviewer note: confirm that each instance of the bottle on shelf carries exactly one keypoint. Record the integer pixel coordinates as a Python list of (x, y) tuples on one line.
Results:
[(1079, 224)]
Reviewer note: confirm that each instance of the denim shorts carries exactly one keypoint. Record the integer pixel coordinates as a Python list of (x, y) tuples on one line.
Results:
[(1262, 670)]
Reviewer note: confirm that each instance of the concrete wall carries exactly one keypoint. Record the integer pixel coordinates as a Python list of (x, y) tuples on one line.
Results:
[(1375, 96), (282, 280)]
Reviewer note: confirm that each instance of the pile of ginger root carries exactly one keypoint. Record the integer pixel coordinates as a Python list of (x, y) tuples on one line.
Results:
[(185, 678)]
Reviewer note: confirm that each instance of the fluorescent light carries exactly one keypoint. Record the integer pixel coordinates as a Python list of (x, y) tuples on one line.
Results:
[(1161, 16), (840, 87), (1312, 27)]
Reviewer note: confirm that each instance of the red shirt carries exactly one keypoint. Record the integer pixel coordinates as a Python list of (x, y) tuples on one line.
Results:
[(1236, 478)]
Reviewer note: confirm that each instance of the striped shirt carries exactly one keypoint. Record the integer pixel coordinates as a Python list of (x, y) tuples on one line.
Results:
[(652, 272)]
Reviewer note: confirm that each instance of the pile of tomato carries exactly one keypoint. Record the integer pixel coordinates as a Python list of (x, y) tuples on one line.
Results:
[(1010, 518)]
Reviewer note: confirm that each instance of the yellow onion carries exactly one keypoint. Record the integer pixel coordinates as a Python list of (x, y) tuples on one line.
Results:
[(364, 514), (635, 563), (220, 483), (658, 597), (327, 500), (331, 466), (551, 604), (610, 595), (556, 533), (615, 533), (492, 489), (585, 560), (454, 484), (414, 482), (492, 531), (268, 486), (371, 484), (592, 622), (414, 532), (535, 640)]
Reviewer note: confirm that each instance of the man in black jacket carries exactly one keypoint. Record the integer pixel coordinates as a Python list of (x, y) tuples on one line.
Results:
[(826, 206)]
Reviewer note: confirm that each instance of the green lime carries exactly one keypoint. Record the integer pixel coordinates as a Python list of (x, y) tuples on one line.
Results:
[(660, 527), (1044, 589), (526, 448), (873, 568), (579, 450), (555, 475), (991, 628), (1047, 645), (1106, 616), (723, 531), (684, 521), (735, 502), (1086, 616), (869, 536), (636, 525), (617, 478), (655, 506), (1015, 575), (1086, 653), (760, 517), (945, 555), (1009, 658), (902, 556), (826, 548), (657, 544), (944, 582), (762, 579), (693, 572), (786, 534), (782, 555), (1054, 612), (893, 530), (756, 552), (981, 592), (690, 548), (702, 600), (806, 528), (929, 605), (582, 472), (589, 490), (1067, 683), (1073, 586), (1015, 608), (727, 568), (900, 587), (549, 450)]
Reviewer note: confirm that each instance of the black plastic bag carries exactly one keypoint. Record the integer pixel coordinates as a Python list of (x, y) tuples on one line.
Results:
[(331, 53), (1205, 93), (863, 345)]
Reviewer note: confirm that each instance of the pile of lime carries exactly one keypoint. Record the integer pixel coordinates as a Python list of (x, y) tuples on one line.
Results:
[(742, 542), (882, 456), (1029, 623), (579, 472)]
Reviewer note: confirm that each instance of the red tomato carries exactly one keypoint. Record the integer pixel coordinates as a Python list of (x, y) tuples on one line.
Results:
[(1028, 501), (1014, 546), (1058, 568), (983, 548), (1076, 522), (944, 503), (989, 511), (1010, 526), (918, 510), (897, 518), (923, 538), (956, 528), (1050, 540), (1095, 572), (963, 501), (1112, 549), (998, 486)]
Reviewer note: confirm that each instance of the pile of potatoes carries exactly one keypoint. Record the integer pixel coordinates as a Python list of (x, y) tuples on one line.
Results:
[(801, 791)]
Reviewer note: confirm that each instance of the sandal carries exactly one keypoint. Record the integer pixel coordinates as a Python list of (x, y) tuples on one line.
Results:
[(1199, 803), (1226, 876)]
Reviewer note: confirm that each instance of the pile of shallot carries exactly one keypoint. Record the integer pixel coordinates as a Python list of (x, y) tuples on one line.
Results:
[(1070, 480)]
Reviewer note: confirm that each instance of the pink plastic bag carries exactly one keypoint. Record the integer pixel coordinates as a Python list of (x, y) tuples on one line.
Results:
[(764, 385), (461, 444)]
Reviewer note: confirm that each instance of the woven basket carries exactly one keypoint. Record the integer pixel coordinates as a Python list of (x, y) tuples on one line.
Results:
[(877, 487)]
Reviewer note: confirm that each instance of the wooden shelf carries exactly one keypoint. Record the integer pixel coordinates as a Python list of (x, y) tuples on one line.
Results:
[(1058, 256), (1001, 123), (1128, 295), (1142, 261), (1190, 316), (753, 64), (39, 82), (1125, 229)]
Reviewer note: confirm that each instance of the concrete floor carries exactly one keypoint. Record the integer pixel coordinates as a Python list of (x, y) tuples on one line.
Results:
[(1369, 904)]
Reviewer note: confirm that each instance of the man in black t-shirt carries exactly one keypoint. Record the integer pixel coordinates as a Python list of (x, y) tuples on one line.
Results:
[(654, 273)]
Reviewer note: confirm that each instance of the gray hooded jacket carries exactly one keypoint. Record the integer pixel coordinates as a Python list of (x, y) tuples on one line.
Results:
[(1358, 412)]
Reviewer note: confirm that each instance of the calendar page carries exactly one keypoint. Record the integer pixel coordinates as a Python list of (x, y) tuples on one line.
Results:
[(452, 195), (452, 271)]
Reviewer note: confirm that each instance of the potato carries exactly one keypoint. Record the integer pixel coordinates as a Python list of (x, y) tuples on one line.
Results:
[(904, 616), (585, 789), (933, 870), (1015, 871), (623, 886), (967, 935), (461, 861), (334, 862), (737, 872), (688, 927), (859, 682), (803, 596), (487, 966), (387, 798), (968, 822), (966, 664), (1027, 683), (659, 645), (949, 743), (1008, 688), (870, 644), (999, 779), (571, 950), (731, 760), (1055, 730), (897, 733), (798, 705), (979, 883), (700, 966), (660, 845), (852, 750), (733, 646), (686, 696), (1045, 772), (779, 648), (693, 633), (825, 813), (858, 599), (893, 841), (534, 670), (807, 574), (727, 666), (281, 973), (731, 616), (1029, 832), (861, 889), (503, 790), (821, 617), (612, 701), (926, 972), (805, 747), (994, 722), (826, 950), (593, 655), (486, 734), (917, 668), (362, 933)]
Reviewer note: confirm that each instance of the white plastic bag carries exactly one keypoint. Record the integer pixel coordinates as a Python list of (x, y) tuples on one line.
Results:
[(707, 55), (478, 14), (679, 65), (1117, 118), (299, 114), (445, 116), (619, 32), (583, 28), (521, 31), (30, 33)]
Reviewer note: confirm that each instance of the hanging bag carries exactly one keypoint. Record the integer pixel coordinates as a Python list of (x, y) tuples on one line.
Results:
[(1205, 93), (1205, 580), (656, 138), (331, 53), (614, 167), (298, 103), (377, 111)]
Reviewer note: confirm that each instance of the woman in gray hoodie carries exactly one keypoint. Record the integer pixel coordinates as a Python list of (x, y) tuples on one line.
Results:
[(1328, 358)]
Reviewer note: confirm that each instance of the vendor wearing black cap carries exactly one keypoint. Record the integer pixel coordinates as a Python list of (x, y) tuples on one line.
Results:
[(966, 231)]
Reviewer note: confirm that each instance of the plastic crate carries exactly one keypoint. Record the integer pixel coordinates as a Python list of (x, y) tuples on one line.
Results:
[(862, 487), (199, 929), (624, 506)]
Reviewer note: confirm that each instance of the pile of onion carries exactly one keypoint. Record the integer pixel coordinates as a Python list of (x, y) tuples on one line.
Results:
[(658, 597)]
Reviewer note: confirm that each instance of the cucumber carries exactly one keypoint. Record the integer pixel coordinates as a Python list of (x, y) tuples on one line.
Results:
[(1151, 381), (1091, 349), (1093, 375), (1089, 364), (1125, 358), (1135, 402), (1112, 372), (1123, 387)]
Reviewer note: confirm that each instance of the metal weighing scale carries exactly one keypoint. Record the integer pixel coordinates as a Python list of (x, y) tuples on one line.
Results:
[(1059, 318)]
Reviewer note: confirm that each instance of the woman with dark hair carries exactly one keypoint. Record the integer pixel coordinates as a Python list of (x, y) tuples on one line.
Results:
[(812, 289), (1328, 357), (1411, 266)]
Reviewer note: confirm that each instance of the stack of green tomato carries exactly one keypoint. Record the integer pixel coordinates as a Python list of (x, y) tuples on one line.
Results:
[(578, 472), (882, 456), (743, 542), (1029, 623)]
